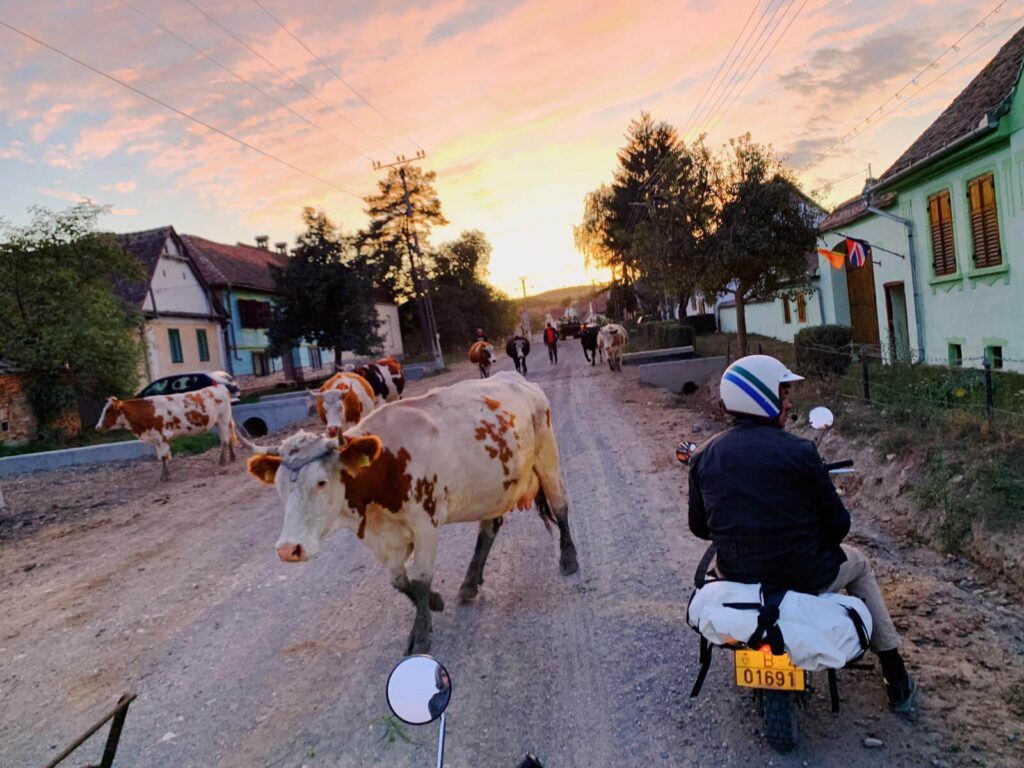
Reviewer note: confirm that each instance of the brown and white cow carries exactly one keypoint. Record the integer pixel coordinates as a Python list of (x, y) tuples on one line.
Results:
[(482, 354), (343, 401), (470, 452), (611, 340), (385, 376), (157, 420)]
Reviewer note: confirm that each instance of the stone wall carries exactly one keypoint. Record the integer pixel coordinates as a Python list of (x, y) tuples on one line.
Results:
[(17, 422)]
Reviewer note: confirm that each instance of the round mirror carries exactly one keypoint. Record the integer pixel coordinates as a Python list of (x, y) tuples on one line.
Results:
[(419, 690), (685, 451), (820, 418)]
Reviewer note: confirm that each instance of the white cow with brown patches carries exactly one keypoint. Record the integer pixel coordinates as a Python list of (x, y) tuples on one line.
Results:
[(611, 340), (471, 452), (159, 419), (343, 401)]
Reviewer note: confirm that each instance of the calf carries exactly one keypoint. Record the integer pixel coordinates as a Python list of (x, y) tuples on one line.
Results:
[(386, 378), (588, 338), (612, 340), (157, 420), (471, 452), (482, 353), (343, 400)]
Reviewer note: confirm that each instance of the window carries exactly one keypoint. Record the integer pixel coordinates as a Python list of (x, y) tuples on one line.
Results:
[(260, 365), (203, 344), (981, 193), (801, 308), (253, 314), (315, 360), (994, 355), (786, 316), (174, 339), (943, 250), (956, 355)]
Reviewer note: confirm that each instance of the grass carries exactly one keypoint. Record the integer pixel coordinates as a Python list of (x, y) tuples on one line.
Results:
[(190, 445), (720, 344)]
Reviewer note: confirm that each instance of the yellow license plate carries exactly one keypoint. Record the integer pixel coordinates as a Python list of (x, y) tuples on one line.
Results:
[(760, 669)]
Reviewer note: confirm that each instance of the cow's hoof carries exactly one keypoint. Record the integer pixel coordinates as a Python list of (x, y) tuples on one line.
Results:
[(468, 592), (436, 602), (569, 564)]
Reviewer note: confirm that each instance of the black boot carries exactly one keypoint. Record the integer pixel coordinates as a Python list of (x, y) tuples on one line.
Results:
[(899, 686)]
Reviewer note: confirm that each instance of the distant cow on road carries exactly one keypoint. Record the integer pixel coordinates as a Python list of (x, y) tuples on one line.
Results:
[(518, 347), (588, 338), (612, 340), (482, 353), (385, 376), (471, 452), (343, 401), (157, 420)]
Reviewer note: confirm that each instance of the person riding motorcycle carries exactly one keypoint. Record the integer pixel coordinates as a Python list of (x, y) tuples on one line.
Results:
[(764, 497)]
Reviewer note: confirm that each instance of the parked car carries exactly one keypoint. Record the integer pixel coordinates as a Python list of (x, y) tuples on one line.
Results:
[(190, 382), (569, 328)]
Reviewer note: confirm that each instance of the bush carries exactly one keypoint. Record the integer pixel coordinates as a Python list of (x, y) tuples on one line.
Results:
[(823, 351), (701, 323), (661, 334)]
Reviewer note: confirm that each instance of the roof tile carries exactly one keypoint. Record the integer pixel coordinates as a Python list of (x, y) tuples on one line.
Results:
[(238, 266)]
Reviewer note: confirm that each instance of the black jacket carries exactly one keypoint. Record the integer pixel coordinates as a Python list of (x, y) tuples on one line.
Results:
[(764, 497)]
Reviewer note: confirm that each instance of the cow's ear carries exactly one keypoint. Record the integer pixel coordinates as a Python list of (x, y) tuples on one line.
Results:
[(359, 452), (264, 467)]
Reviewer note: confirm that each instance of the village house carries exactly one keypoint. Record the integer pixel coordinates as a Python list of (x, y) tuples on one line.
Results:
[(182, 319), (242, 282)]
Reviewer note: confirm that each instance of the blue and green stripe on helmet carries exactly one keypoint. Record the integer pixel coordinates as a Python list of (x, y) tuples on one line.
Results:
[(755, 389)]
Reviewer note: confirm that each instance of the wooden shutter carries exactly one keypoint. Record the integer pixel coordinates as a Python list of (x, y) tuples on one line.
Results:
[(786, 317), (801, 308), (981, 193), (940, 215)]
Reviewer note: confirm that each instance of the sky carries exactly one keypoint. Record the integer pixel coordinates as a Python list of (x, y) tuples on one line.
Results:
[(520, 105)]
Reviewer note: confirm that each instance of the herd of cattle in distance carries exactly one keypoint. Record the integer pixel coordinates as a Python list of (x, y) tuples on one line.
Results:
[(607, 341), (392, 470)]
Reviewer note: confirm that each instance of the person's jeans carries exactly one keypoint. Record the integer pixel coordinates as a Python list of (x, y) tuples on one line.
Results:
[(552, 353), (857, 577)]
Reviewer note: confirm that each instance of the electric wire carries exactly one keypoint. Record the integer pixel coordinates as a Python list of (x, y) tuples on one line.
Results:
[(241, 78), (176, 110), (336, 75)]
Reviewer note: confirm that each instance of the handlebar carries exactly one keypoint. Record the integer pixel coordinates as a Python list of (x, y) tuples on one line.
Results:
[(831, 465)]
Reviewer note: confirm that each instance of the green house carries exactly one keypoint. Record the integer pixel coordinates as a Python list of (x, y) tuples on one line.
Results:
[(945, 283)]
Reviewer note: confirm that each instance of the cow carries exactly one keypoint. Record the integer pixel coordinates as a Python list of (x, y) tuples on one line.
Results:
[(385, 376), (343, 400), (482, 353), (157, 420), (588, 338), (612, 341), (470, 452), (518, 347)]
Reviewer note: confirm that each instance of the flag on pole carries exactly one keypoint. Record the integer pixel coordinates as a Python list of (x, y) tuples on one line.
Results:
[(835, 258), (858, 250)]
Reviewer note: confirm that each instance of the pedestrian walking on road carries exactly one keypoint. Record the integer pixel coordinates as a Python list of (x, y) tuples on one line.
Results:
[(551, 342)]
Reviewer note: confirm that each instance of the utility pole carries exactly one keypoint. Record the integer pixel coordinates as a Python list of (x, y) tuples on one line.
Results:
[(526, 315), (424, 304)]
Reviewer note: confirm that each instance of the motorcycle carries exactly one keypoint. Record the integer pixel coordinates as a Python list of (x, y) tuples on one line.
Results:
[(419, 690), (761, 663)]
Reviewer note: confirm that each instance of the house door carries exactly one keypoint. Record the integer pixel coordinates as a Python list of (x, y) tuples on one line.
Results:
[(860, 287), (899, 330)]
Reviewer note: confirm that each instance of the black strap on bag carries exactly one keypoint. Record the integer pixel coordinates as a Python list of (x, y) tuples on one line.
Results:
[(767, 622), (862, 631), (700, 577), (705, 665), (833, 689)]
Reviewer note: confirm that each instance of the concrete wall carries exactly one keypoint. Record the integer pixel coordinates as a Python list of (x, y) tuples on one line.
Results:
[(768, 318), (682, 376), (70, 457)]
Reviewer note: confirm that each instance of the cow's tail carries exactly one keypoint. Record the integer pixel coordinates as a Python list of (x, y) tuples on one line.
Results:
[(544, 510)]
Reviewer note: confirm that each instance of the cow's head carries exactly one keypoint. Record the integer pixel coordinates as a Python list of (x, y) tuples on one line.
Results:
[(487, 355), (111, 416), (332, 410), (307, 472)]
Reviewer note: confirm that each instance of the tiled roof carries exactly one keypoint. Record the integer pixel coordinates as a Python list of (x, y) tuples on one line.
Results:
[(240, 266), (853, 209), (146, 246), (982, 98)]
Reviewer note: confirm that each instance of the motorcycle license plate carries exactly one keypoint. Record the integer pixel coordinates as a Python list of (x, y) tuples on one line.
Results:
[(760, 669)]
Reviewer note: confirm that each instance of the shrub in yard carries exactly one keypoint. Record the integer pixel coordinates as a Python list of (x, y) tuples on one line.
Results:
[(823, 350)]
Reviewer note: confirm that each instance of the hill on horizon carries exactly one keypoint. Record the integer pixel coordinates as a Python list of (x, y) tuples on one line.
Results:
[(560, 297)]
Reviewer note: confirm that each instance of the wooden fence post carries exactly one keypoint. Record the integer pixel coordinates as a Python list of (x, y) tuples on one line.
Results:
[(864, 373)]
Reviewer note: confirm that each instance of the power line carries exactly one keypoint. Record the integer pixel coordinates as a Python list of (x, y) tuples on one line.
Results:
[(689, 120), (277, 69), (761, 64), (242, 79), (174, 109), (337, 76), (898, 95)]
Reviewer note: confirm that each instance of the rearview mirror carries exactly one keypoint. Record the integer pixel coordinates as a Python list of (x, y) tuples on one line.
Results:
[(820, 418), (419, 690), (685, 451)]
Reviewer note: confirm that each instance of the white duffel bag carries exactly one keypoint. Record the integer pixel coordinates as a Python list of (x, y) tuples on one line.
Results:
[(819, 631)]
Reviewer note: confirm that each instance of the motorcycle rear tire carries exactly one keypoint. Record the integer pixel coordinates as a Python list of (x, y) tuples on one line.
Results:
[(779, 720)]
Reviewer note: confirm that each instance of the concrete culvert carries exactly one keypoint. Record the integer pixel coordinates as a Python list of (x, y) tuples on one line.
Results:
[(689, 388), (256, 427)]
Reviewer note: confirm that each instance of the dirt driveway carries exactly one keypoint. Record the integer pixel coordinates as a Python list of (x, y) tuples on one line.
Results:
[(112, 581)]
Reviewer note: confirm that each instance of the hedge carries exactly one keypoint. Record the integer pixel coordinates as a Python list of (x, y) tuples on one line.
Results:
[(663, 334), (823, 350)]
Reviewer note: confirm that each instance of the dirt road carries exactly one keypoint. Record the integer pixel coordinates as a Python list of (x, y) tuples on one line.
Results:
[(113, 582)]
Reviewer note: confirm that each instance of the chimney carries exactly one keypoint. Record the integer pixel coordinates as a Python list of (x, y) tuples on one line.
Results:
[(282, 248), (262, 241)]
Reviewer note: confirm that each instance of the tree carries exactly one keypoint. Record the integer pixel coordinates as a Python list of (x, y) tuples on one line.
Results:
[(325, 293), (60, 320), (766, 229)]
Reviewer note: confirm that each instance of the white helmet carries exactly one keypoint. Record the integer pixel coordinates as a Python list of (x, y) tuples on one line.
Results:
[(751, 386)]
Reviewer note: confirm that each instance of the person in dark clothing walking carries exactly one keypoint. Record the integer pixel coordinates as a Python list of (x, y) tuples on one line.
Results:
[(439, 701), (480, 335), (764, 497), (551, 342)]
